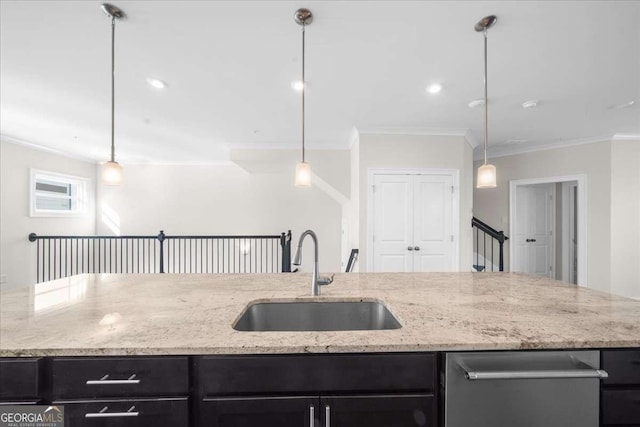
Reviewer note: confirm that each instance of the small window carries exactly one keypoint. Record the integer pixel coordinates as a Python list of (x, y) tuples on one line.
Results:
[(54, 194)]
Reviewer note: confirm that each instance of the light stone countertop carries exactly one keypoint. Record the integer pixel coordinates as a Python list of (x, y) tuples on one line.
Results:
[(163, 314)]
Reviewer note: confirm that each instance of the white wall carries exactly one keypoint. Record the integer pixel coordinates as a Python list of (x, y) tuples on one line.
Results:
[(420, 152), (625, 218), (491, 205), (17, 254), (224, 199)]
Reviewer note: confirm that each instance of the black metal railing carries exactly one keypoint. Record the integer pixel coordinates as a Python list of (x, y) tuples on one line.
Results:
[(488, 248), (62, 256)]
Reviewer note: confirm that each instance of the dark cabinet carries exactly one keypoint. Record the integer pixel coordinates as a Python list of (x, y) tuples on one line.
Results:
[(349, 390), (415, 410), (119, 376), (166, 412), (122, 391), (287, 411), (620, 393), (20, 380)]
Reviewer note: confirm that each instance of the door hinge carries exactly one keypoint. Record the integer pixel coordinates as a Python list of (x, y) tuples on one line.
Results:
[(373, 187), (453, 189)]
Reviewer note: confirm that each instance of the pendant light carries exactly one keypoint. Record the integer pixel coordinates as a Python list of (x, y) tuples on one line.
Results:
[(111, 170), (303, 17), (486, 172)]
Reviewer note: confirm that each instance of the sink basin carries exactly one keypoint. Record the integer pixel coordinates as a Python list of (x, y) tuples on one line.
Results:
[(317, 316)]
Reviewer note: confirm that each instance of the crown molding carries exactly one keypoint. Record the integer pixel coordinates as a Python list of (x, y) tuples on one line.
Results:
[(473, 142), (286, 146), (626, 137), (31, 145), (524, 149), (464, 132)]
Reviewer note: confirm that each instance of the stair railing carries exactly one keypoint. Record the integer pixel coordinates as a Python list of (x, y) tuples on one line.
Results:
[(63, 256), (495, 244)]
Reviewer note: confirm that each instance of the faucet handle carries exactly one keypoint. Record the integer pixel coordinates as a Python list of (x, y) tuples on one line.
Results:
[(323, 281)]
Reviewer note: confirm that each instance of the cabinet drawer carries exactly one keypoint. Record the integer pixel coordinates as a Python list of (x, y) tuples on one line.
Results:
[(19, 379), (316, 373), (115, 377), (623, 366), (171, 412), (621, 407)]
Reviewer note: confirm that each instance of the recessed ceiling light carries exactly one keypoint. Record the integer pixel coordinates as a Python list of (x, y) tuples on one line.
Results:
[(156, 83), (297, 85), (621, 106), (532, 103), (434, 88), (476, 103)]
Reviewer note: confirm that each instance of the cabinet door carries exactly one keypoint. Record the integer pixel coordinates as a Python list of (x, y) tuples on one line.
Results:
[(409, 410), (299, 411)]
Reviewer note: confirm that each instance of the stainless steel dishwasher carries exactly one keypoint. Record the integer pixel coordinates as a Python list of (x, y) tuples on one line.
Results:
[(523, 389)]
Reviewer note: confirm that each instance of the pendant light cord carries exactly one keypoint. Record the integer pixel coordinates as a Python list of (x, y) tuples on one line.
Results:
[(486, 100), (304, 87), (113, 97)]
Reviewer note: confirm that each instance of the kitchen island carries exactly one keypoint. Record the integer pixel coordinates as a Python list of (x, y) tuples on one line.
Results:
[(193, 314), (147, 350)]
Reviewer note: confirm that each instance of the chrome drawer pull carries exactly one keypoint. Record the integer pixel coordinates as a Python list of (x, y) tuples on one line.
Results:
[(522, 375), (312, 418), (104, 414), (105, 381)]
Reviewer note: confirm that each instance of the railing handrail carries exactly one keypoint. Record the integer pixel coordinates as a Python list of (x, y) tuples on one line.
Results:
[(33, 237), (498, 235)]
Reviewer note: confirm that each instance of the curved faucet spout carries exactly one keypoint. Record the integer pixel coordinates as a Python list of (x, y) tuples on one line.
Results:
[(316, 280)]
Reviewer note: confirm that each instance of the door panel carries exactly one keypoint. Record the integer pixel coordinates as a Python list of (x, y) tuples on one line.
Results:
[(379, 411), (533, 242), (433, 210), (393, 223)]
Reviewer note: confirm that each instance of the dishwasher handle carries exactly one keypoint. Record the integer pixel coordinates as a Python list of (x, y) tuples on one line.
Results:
[(533, 375)]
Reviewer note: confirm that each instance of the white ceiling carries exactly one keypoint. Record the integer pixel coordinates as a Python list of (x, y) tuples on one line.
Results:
[(229, 67)]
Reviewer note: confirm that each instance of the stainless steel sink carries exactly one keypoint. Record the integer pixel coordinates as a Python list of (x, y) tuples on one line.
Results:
[(317, 316)]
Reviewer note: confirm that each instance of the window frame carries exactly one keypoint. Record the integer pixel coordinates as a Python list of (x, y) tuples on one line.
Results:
[(82, 199)]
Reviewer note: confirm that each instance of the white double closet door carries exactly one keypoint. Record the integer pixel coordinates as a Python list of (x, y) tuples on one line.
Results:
[(413, 223)]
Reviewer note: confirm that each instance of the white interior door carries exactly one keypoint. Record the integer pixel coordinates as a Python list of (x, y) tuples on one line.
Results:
[(413, 223), (433, 224), (393, 223), (533, 242)]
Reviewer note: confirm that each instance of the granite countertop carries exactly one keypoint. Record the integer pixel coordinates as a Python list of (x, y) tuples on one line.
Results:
[(163, 314)]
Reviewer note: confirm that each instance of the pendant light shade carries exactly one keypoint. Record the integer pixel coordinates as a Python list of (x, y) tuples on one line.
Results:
[(303, 17), (486, 176), (111, 173), (303, 174), (111, 170), (486, 173)]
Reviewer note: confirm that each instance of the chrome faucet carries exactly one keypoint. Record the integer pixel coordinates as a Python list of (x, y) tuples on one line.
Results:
[(316, 280)]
